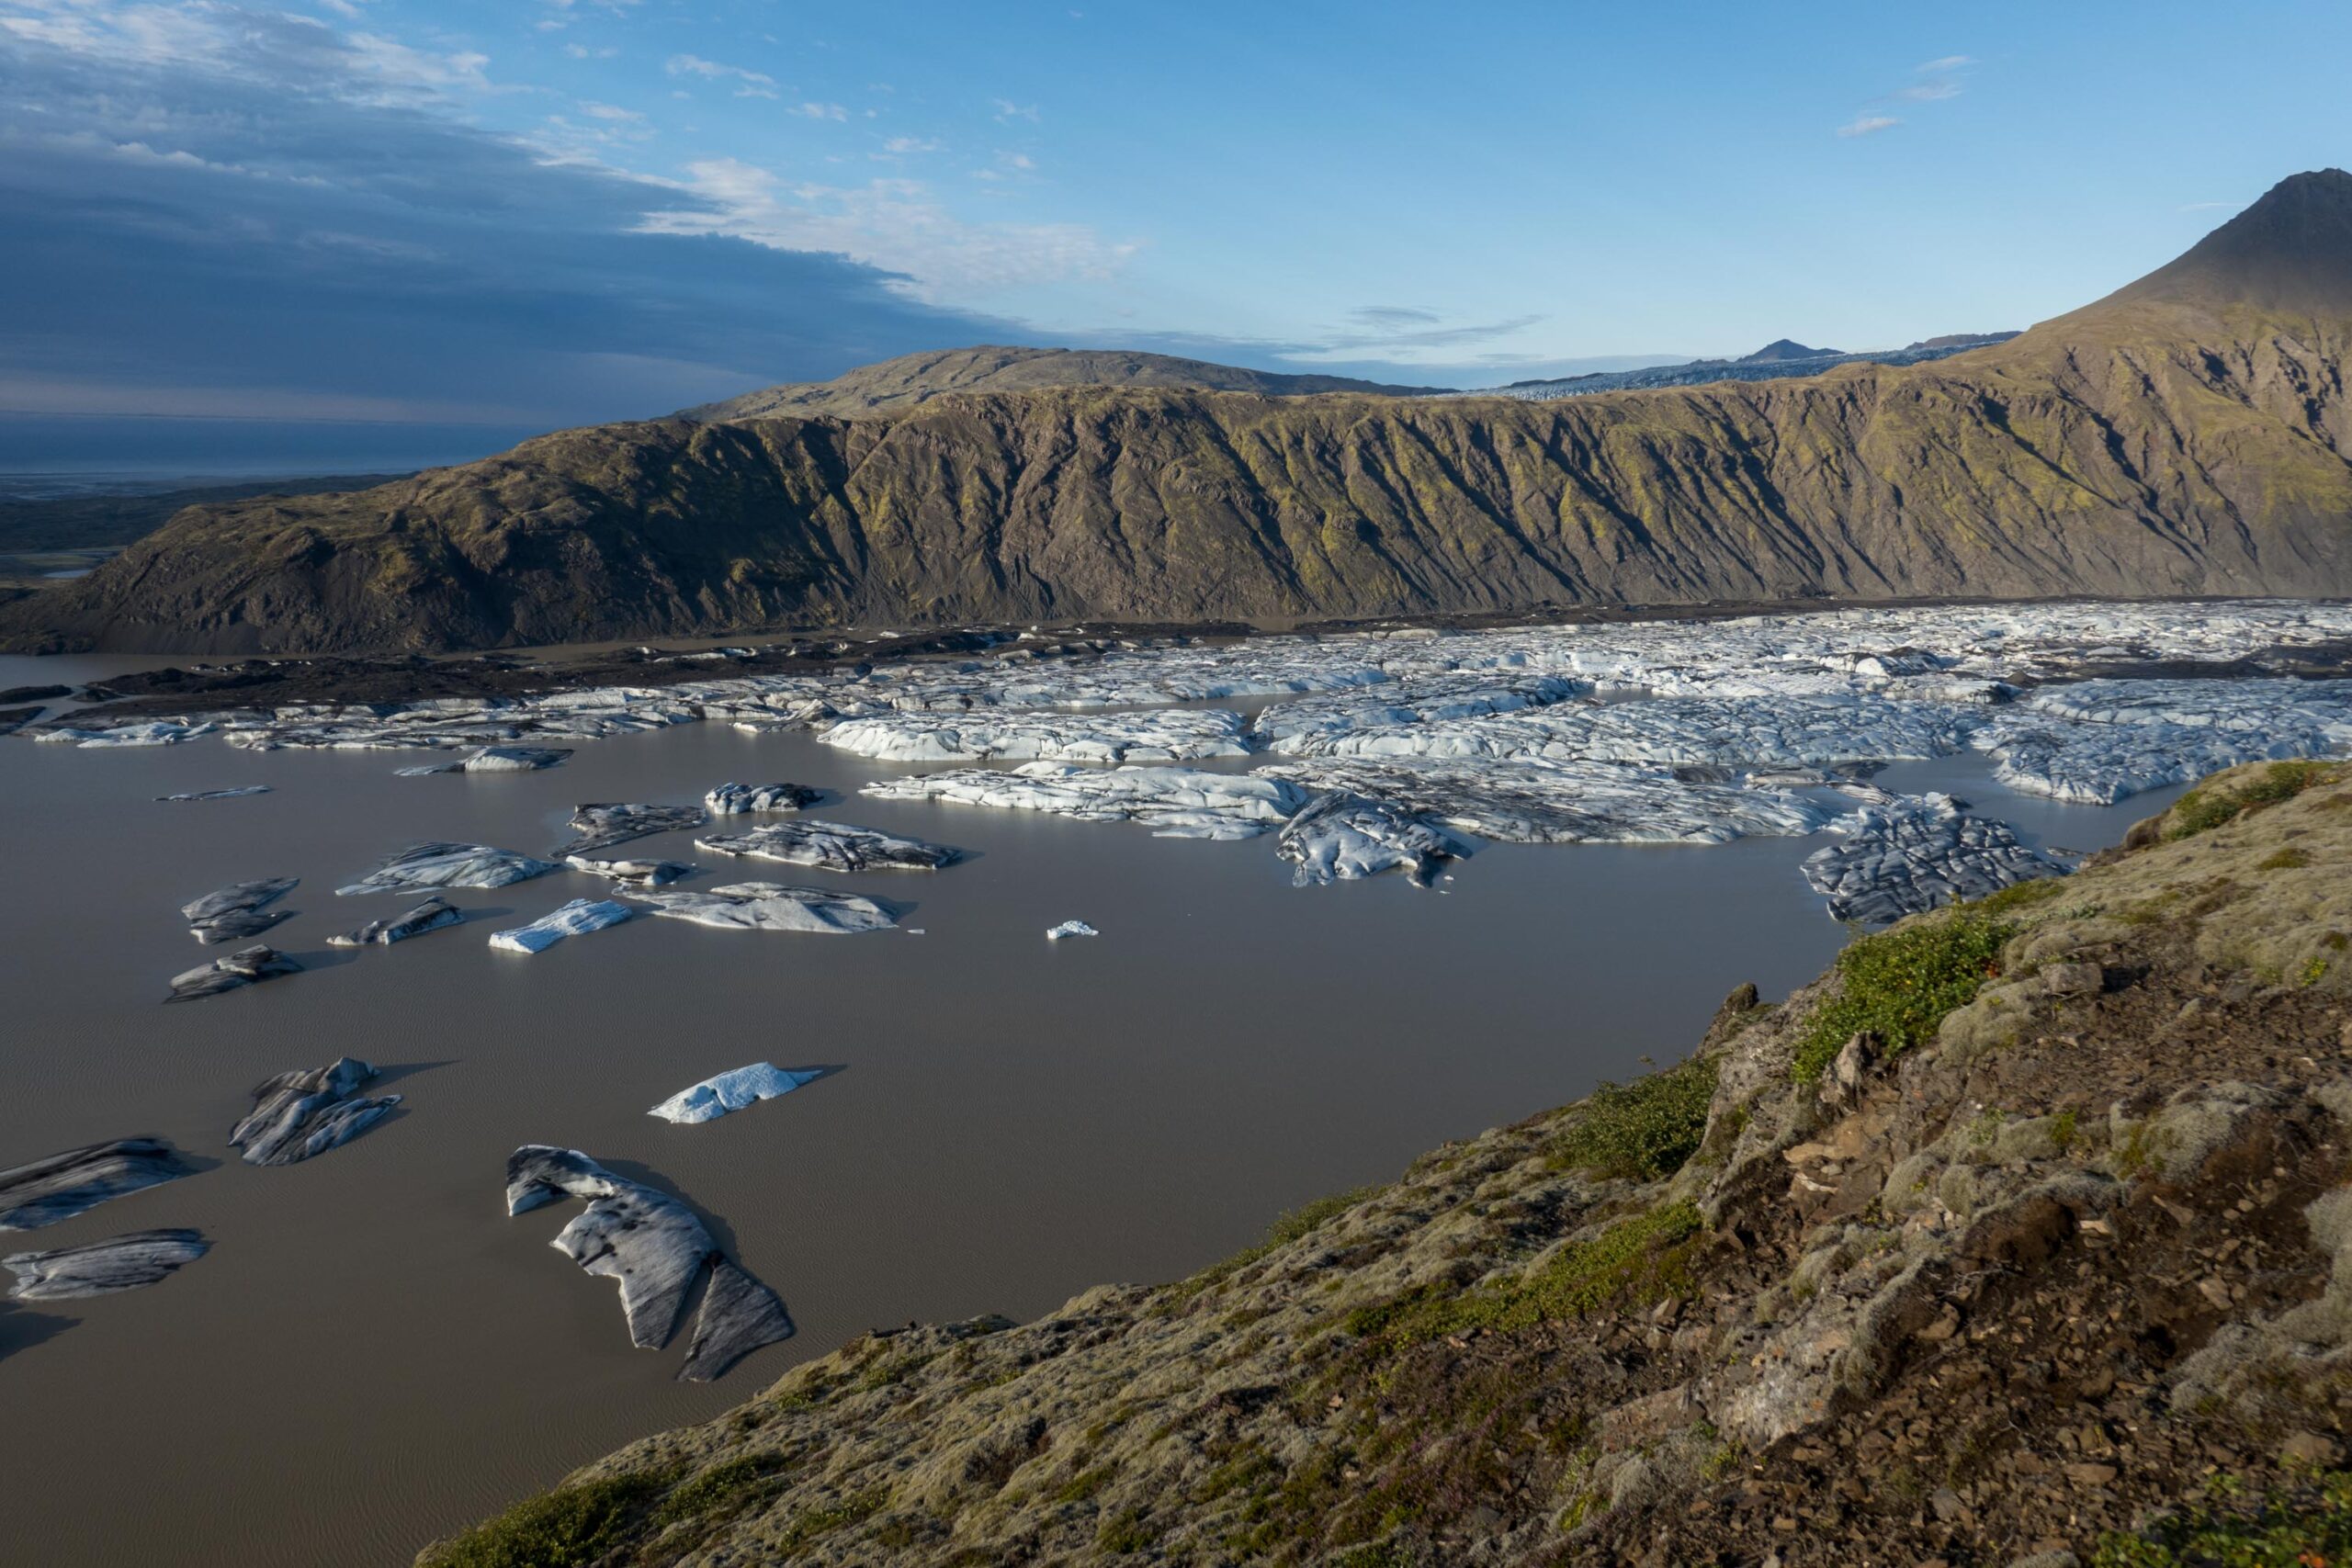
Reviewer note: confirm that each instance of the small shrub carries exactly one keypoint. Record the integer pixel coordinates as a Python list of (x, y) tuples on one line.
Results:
[(721, 1487), (807, 1528), (1645, 1130), (1298, 1222), (2289, 858), (567, 1527), (2296, 1527), (1635, 1261), (2021, 895), (1126, 1530), (1899, 985), (2203, 809)]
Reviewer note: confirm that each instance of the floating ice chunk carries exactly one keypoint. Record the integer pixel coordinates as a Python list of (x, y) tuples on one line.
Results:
[(714, 1097), (2258, 705), (769, 907), (736, 799), (236, 912), (1424, 700), (301, 1113), (1168, 735), (1071, 928), (429, 916), (245, 966), (102, 1268), (160, 732), (63, 1185), (602, 827), (576, 919), (653, 1247), (1185, 803), (635, 872), (237, 794), (1343, 837), (1562, 803), (2100, 764), (835, 846), (1910, 853), (421, 867), (493, 760)]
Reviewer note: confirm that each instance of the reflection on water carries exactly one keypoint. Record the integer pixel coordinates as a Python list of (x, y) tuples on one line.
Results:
[(374, 1354)]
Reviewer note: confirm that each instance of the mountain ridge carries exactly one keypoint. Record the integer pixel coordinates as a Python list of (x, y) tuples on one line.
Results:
[(2188, 434)]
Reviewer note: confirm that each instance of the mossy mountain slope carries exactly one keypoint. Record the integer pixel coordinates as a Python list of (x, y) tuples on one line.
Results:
[(2193, 436), (2065, 1248), (918, 378)]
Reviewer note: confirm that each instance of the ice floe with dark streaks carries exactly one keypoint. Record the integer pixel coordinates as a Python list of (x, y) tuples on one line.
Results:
[(738, 799), (246, 967), (1435, 699), (152, 732), (1904, 855), (306, 1112), (1177, 802), (601, 826), (437, 865), (1339, 838), (654, 1248), (493, 760), (578, 918), (1542, 802), (103, 1268), (429, 916), (834, 846), (61, 1186), (237, 794), (772, 906), (238, 910), (1162, 736), (731, 1092), (634, 872)]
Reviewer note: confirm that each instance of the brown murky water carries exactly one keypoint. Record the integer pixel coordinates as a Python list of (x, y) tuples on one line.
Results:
[(373, 1354)]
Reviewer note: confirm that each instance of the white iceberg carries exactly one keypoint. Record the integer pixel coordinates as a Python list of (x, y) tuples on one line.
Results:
[(576, 919), (771, 907), (1070, 927), (835, 846), (493, 760), (422, 866), (1174, 803), (714, 1097)]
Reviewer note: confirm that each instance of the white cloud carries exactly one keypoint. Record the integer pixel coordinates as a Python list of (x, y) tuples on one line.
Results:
[(582, 52), (1007, 111), (1946, 63), (901, 146), (1869, 125), (608, 111), (1021, 161), (757, 84), (819, 112), (894, 224)]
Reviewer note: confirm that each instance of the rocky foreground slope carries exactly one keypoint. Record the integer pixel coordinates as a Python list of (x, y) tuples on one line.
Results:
[(2023, 1236), (2189, 435)]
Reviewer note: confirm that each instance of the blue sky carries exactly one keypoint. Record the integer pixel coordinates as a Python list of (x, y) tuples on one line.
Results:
[(546, 211)]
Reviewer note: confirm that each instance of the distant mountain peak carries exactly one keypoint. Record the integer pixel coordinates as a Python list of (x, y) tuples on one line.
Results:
[(2290, 251), (1784, 348)]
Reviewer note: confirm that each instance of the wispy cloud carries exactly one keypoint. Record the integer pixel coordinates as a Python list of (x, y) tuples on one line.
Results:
[(751, 84), (1938, 80), (903, 146), (1009, 111), (1869, 125), (1397, 316), (1946, 63), (819, 112)]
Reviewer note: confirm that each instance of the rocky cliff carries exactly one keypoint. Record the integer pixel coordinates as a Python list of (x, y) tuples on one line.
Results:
[(2023, 1231), (2190, 434)]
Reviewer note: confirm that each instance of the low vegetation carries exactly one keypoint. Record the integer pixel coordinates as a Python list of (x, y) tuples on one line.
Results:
[(2210, 807), (1644, 1130), (570, 1525), (1900, 985), (2300, 1527)]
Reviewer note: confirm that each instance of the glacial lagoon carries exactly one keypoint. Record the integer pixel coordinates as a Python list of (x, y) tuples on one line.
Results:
[(369, 1352)]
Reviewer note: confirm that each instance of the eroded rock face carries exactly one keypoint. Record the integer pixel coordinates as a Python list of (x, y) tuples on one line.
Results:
[(602, 827), (298, 1114), (654, 1248), (63, 1185), (237, 911), (422, 867), (430, 916), (835, 846), (103, 1268), (736, 799), (771, 907), (246, 967)]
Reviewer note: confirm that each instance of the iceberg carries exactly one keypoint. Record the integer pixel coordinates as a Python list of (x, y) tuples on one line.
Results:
[(736, 799), (653, 1247), (102, 1268), (429, 916), (236, 912), (63, 1185), (1165, 736), (1174, 803), (714, 1097), (246, 967), (634, 872), (770, 907), (422, 866), (576, 919), (1069, 929), (1910, 853), (602, 827), (1343, 837), (298, 1114), (237, 794), (493, 760), (835, 846)]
